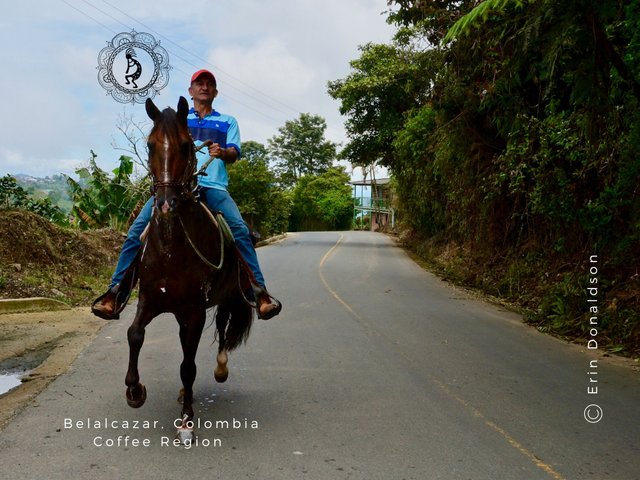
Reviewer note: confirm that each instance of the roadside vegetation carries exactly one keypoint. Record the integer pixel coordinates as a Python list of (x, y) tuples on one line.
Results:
[(512, 131)]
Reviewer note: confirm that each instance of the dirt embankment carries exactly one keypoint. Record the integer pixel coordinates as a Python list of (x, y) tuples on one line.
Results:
[(38, 259)]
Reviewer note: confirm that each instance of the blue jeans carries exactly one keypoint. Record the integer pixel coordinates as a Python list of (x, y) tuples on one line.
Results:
[(218, 201)]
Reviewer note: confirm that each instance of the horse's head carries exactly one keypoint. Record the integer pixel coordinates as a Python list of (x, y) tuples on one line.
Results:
[(172, 160)]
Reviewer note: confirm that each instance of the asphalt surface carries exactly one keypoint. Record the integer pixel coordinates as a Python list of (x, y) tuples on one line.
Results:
[(375, 369)]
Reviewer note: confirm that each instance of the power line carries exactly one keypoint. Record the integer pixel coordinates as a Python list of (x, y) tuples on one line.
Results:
[(239, 102), (262, 94), (258, 99), (89, 16), (177, 56)]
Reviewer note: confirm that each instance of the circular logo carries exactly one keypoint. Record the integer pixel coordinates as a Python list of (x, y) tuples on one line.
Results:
[(133, 67)]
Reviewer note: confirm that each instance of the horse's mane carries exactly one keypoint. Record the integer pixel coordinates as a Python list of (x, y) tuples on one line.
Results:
[(168, 122)]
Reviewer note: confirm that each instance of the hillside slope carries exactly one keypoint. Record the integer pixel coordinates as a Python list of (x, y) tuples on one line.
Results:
[(37, 258)]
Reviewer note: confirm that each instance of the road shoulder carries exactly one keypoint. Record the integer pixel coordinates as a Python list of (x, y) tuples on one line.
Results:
[(43, 345)]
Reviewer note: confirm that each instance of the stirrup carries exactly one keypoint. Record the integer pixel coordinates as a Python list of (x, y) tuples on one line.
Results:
[(120, 299), (262, 292), (121, 291)]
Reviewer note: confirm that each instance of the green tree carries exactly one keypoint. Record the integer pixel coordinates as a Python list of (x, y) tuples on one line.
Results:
[(385, 82), (253, 187), (54, 196), (322, 202), (255, 152), (103, 200), (519, 117), (13, 195), (301, 149)]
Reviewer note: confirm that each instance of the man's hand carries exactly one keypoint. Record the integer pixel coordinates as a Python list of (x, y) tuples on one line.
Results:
[(215, 150), (227, 155)]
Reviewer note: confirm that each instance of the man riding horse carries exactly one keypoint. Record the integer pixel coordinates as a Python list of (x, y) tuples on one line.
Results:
[(222, 134)]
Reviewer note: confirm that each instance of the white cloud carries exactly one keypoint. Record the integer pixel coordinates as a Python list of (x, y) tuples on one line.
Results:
[(289, 51), (269, 65), (10, 158), (15, 161), (283, 80)]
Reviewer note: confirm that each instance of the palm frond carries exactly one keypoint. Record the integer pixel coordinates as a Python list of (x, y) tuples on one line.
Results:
[(480, 14)]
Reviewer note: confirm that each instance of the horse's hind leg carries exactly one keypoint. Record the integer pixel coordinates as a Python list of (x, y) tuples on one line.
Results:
[(191, 325), (221, 372), (136, 392)]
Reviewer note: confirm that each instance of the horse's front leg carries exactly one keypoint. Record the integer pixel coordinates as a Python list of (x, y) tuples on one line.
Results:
[(191, 324), (136, 392)]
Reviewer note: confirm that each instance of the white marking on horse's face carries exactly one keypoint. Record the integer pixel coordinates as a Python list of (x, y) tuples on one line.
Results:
[(165, 153)]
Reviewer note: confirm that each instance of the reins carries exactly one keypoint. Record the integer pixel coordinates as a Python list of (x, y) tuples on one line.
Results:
[(185, 184), (198, 252), (204, 166)]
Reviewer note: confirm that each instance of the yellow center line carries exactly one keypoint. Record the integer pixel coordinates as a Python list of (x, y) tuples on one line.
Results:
[(326, 284), (470, 408)]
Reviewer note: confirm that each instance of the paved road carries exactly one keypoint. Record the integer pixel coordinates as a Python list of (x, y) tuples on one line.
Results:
[(374, 370)]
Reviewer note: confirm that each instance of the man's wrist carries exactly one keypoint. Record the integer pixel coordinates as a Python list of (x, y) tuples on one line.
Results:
[(228, 155)]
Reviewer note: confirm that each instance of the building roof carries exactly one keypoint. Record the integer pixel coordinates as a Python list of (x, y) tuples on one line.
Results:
[(377, 181)]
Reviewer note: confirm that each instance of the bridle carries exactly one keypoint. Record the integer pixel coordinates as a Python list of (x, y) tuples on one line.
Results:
[(187, 188), (188, 183)]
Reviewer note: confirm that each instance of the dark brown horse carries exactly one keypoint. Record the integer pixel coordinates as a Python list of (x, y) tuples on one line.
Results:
[(187, 263)]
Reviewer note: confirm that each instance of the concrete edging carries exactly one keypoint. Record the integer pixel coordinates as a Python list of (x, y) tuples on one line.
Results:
[(33, 304), (271, 240)]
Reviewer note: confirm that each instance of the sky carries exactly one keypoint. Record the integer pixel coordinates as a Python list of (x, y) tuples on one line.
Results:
[(272, 60)]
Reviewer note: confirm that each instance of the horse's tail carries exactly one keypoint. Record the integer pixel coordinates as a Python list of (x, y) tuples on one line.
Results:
[(238, 316)]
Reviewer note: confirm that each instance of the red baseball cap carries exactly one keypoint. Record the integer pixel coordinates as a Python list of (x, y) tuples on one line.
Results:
[(199, 73)]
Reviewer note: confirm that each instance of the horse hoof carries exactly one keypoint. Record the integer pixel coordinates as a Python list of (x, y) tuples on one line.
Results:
[(221, 372), (136, 396), (184, 433)]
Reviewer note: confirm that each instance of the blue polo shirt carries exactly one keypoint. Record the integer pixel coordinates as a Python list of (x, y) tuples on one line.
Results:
[(221, 129)]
